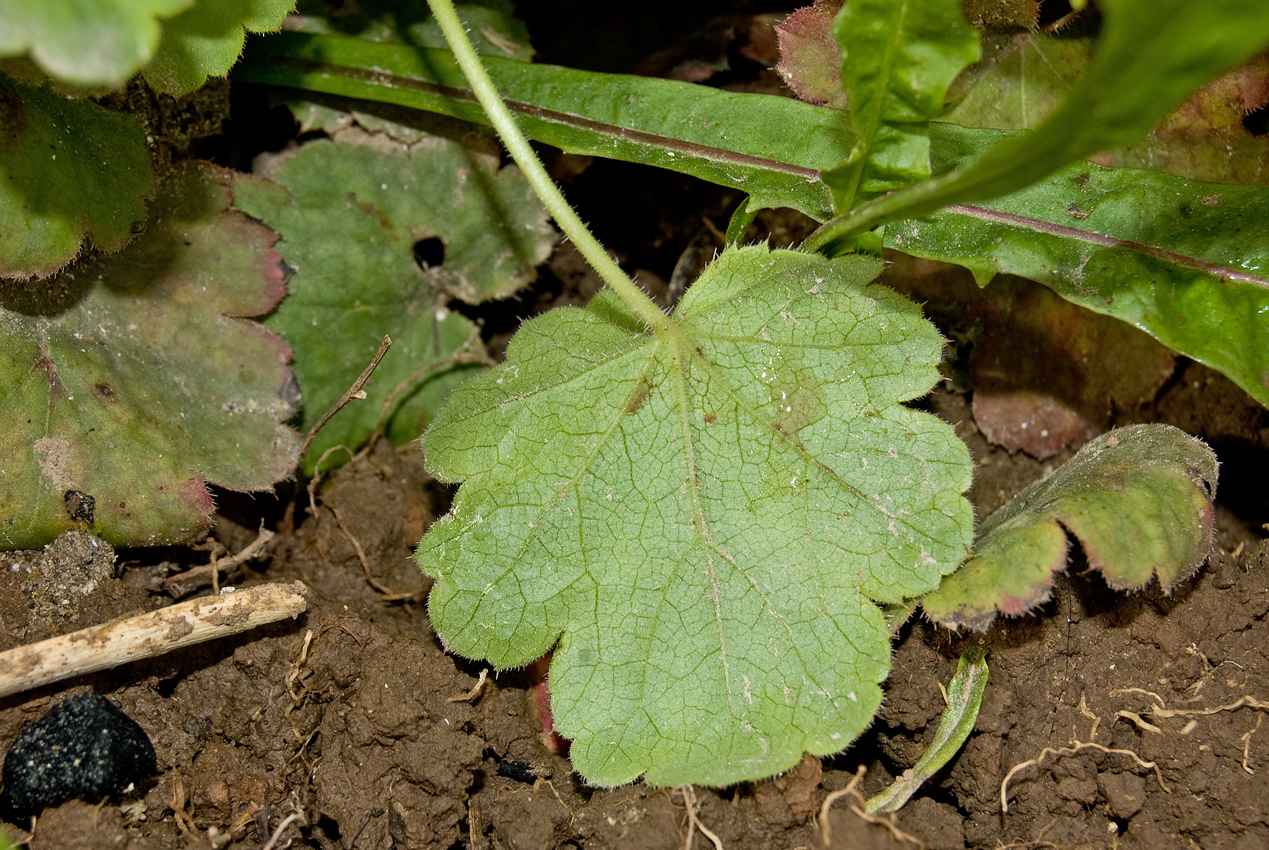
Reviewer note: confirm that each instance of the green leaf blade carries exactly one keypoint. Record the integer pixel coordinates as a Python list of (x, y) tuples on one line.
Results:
[(1184, 261), (87, 44), (56, 191), (135, 380), (899, 59), (770, 147), (207, 39), (702, 517)]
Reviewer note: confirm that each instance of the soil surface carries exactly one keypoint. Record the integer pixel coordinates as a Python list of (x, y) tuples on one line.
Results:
[(1119, 721)]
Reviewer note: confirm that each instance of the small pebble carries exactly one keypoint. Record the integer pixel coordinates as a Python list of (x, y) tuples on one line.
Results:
[(84, 748)]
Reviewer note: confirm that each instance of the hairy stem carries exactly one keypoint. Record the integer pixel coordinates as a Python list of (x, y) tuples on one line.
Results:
[(529, 163)]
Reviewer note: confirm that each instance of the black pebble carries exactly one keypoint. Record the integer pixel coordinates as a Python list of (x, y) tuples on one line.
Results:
[(84, 748)]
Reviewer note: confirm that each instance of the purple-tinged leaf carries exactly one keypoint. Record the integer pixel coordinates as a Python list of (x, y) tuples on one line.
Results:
[(1138, 500), (810, 60), (131, 382)]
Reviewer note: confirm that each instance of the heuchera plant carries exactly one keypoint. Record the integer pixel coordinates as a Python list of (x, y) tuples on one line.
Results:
[(709, 517), (701, 513)]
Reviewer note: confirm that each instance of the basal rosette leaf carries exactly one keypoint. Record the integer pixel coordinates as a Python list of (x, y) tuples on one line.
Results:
[(772, 148), (128, 383), (491, 26), (1138, 499), (70, 171), (701, 520), (350, 216)]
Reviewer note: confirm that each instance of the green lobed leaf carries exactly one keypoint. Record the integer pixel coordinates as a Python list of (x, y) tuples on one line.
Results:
[(99, 43), (1151, 55), (129, 382), (1184, 261), (1138, 499), (207, 39), (898, 59), (701, 520), (770, 147), (69, 171), (349, 216)]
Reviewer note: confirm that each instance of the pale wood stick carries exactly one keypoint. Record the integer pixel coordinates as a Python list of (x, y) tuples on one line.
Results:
[(147, 635)]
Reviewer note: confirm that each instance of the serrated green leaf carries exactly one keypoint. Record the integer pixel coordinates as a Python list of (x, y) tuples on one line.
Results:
[(1151, 54), (349, 216), (898, 59), (69, 171), (1184, 261), (85, 43), (701, 519), (771, 148), (206, 40), (128, 383), (1138, 499)]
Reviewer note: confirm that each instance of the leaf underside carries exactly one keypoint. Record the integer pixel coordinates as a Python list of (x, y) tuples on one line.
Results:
[(1139, 501), (701, 521)]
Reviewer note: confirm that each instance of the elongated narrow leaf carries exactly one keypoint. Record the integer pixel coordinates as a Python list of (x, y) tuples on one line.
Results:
[(964, 699), (1152, 53), (1186, 262), (701, 520), (898, 59), (770, 147), (1138, 499)]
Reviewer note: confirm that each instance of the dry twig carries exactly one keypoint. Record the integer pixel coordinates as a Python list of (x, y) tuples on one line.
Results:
[(353, 392), (147, 635), (252, 550)]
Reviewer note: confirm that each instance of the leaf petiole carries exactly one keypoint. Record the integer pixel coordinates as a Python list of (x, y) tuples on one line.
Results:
[(627, 290)]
